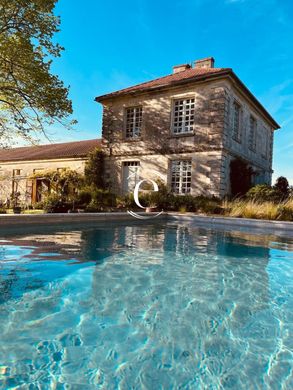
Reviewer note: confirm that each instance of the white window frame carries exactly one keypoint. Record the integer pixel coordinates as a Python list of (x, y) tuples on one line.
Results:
[(133, 163), (133, 127), (237, 130), (187, 120), (180, 177)]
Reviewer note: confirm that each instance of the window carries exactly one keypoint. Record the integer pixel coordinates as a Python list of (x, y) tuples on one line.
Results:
[(264, 146), (252, 133), (16, 172), (181, 176), (133, 122), (236, 121), (38, 171), (130, 175), (183, 116), (15, 179)]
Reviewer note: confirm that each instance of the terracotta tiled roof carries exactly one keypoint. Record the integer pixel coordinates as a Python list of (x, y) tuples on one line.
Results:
[(185, 76), (172, 79), (51, 151)]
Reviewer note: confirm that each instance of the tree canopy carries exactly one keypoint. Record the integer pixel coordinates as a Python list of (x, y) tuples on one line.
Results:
[(31, 97)]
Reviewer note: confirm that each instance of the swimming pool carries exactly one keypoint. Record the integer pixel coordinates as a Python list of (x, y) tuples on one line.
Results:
[(161, 306)]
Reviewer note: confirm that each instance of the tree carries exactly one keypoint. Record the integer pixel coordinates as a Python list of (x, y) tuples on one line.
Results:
[(282, 186), (30, 96), (94, 169)]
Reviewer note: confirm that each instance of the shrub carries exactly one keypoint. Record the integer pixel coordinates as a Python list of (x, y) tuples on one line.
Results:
[(126, 201), (168, 201), (209, 205), (263, 192), (3, 210), (54, 204), (101, 200), (38, 206), (84, 198)]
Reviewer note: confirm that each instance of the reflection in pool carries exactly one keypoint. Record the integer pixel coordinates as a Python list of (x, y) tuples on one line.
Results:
[(145, 306)]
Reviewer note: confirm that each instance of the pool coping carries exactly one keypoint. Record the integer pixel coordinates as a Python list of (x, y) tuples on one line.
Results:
[(68, 218), (254, 225), (259, 226)]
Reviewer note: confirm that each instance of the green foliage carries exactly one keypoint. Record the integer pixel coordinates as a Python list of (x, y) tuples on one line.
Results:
[(30, 96), (102, 200), (126, 202), (282, 186), (84, 197), (165, 200), (263, 192), (65, 183), (3, 210), (38, 205), (240, 177), (94, 169), (55, 204), (285, 212), (63, 190)]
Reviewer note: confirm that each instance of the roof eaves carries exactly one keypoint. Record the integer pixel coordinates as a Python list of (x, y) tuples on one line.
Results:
[(163, 86), (255, 100)]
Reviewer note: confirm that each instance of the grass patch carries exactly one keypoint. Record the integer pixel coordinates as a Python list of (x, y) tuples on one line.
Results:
[(259, 210)]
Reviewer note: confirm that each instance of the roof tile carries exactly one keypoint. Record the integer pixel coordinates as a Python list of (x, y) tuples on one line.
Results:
[(51, 151), (192, 73)]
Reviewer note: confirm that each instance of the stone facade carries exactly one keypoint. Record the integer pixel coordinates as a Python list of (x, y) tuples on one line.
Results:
[(210, 146), (12, 180)]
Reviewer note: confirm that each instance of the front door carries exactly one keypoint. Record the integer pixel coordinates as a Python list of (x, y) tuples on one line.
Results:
[(39, 188), (130, 175)]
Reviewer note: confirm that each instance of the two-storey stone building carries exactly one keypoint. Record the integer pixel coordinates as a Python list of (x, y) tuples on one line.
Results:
[(187, 126)]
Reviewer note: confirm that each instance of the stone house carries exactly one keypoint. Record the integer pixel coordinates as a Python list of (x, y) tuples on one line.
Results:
[(17, 165), (186, 128)]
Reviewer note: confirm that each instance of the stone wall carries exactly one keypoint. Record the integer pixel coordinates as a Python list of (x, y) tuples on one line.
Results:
[(206, 169), (260, 159), (212, 133), (156, 134)]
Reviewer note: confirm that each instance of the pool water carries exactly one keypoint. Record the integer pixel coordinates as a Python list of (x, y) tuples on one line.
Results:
[(145, 307)]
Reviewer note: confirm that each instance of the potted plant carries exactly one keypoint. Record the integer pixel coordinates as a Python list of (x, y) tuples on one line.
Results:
[(15, 202), (151, 208)]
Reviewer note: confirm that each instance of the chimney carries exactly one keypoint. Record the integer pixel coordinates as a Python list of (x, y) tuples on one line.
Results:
[(181, 68), (205, 63)]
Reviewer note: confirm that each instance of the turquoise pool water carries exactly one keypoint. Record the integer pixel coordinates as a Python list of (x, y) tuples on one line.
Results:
[(145, 307)]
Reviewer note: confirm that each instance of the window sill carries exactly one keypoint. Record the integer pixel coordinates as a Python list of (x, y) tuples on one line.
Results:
[(181, 135), (132, 139)]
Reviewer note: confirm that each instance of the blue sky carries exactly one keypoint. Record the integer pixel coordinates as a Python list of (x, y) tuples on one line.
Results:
[(113, 44)]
